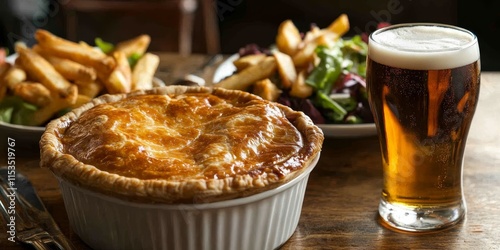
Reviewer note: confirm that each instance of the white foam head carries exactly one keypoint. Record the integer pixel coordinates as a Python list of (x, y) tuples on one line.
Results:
[(423, 46)]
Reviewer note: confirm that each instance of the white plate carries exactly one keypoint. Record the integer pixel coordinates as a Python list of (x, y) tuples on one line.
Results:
[(226, 68), (348, 130), (24, 136)]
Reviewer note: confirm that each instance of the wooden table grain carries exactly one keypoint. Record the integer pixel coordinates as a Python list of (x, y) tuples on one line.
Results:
[(340, 206)]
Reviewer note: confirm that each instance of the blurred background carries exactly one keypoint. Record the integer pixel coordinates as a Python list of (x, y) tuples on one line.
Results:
[(223, 26)]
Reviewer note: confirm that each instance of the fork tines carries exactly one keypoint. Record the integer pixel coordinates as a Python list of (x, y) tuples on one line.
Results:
[(23, 219)]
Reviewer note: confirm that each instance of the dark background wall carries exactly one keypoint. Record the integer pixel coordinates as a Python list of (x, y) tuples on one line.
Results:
[(256, 21)]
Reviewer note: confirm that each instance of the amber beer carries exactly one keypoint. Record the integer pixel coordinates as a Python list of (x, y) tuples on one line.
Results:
[(423, 85)]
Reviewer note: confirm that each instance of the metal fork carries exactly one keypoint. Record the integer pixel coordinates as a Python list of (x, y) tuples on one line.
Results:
[(28, 229), (195, 78)]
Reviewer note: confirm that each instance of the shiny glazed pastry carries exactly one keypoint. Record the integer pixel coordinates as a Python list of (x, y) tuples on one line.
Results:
[(180, 144)]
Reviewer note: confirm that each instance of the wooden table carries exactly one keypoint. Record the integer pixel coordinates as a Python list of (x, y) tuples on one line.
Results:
[(340, 207)]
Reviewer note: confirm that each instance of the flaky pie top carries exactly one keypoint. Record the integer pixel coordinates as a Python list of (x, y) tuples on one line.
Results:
[(181, 145)]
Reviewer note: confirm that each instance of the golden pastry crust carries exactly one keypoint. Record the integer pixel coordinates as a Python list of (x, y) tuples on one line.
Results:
[(180, 144)]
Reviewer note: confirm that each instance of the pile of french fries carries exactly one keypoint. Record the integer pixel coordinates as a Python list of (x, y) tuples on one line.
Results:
[(57, 74), (292, 59)]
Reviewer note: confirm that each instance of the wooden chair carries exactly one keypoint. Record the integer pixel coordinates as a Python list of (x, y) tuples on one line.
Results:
[(178, 15)]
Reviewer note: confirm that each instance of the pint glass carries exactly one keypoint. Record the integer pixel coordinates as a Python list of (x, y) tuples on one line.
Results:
[(423, 87)]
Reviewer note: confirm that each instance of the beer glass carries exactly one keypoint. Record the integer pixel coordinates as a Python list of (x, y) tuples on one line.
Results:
[(423, 87)]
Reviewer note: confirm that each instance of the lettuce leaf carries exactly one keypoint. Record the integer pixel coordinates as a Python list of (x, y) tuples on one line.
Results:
[(132, 59), (16, 111), (324, 75), (344, 56), (105, 47), (355, 51), (6, 114)]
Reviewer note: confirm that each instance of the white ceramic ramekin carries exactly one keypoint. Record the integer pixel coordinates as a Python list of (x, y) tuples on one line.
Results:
[(261, 221)]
